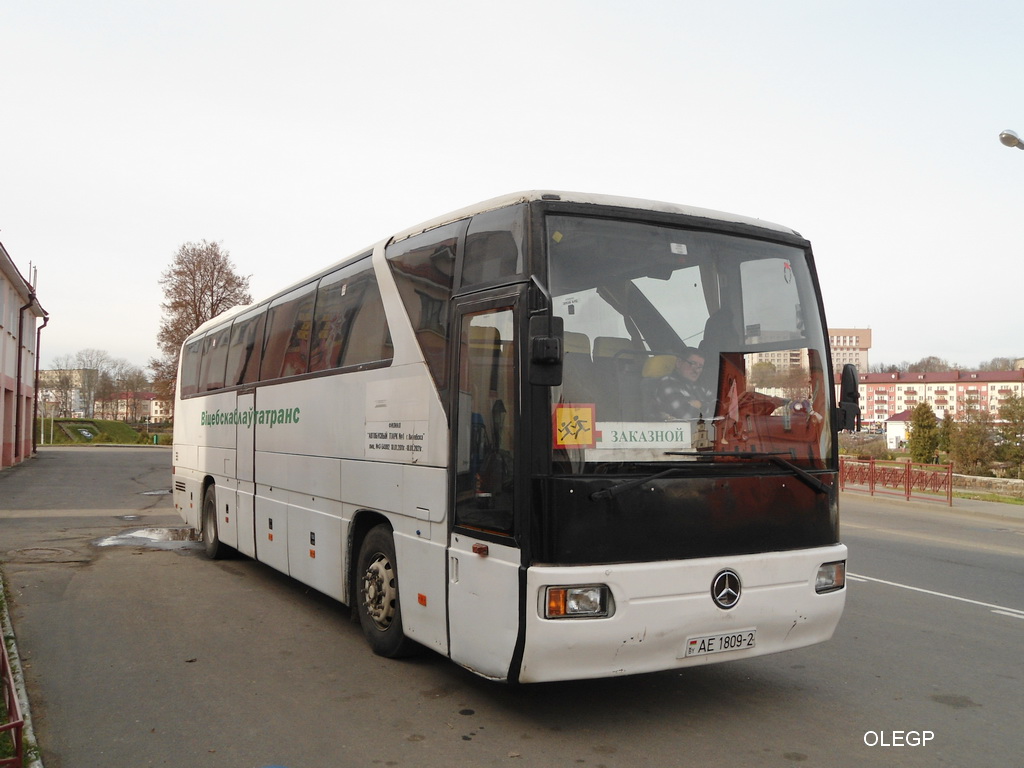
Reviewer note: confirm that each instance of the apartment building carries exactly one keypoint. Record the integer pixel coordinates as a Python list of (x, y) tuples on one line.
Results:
[(134, 407), (849, 345), (20, 313), (884, 395)]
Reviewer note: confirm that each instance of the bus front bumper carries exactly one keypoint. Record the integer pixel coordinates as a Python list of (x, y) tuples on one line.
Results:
[(663, 615)]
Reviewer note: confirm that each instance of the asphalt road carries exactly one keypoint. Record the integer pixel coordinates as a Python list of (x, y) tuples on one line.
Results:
[(143, 654)]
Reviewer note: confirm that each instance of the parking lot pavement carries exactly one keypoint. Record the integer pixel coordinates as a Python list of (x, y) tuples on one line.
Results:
[(53, 508)]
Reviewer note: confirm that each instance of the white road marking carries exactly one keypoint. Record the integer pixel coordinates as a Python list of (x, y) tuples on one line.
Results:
[(1002, 610)]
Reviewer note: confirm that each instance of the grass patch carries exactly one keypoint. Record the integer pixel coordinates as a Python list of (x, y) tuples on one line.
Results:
[(970, 496), (89, 431)]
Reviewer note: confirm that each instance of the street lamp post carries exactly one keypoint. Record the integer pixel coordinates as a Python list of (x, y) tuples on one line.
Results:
[(1011, 139)]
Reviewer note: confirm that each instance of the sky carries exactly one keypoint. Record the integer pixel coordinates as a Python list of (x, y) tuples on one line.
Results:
[(297, 133)]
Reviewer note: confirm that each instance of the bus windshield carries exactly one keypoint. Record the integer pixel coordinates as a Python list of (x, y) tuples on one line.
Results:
[(684, 345)]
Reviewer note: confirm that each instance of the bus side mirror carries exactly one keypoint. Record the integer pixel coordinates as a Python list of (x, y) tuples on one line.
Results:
[(848, 412), (546, 336)]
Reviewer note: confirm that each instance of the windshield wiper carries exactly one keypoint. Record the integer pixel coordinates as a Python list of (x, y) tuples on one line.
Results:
[(619, 488), (775, 458)]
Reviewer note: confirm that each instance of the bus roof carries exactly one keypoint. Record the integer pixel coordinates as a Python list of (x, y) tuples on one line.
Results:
[(227, 314), (585, 198), (591, 199)]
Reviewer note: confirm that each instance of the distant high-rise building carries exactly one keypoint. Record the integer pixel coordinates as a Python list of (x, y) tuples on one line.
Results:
[(850, 345)]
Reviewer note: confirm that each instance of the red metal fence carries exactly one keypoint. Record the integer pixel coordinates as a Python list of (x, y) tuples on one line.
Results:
[(931, 482), (14, 721)]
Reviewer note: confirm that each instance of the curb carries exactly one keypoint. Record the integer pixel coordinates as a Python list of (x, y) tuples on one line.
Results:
[(29, 742), (101, 445)]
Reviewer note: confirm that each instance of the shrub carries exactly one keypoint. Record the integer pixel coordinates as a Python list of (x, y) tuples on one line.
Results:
[(859, 444)]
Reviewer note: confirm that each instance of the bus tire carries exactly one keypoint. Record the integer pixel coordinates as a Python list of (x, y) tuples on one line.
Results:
[(213, 547), (377, 601)]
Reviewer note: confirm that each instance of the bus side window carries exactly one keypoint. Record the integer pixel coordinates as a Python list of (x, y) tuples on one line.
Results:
[(370, 337), (494, 247), (215, 354), (246, 349), (330, 328), (190, 367), (286, 352), (424, 270), (349, 327)]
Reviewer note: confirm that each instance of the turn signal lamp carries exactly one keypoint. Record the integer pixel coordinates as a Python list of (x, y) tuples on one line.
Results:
[(831, 576), (586, 602)]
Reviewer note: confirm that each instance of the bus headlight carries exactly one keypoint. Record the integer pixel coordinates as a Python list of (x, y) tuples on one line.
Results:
[(585, 602), (831, 576)]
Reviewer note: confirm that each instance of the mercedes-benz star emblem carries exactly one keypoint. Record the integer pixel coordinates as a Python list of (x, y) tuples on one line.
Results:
[(725, 589)]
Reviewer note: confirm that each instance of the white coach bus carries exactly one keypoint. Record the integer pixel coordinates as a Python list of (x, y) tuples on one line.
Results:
[(550, 436)]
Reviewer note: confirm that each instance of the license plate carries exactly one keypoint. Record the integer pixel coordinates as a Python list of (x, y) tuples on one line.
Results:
[(726, 641)]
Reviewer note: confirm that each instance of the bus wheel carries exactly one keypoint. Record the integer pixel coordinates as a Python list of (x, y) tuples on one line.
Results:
[(380, 610), (212, 545)]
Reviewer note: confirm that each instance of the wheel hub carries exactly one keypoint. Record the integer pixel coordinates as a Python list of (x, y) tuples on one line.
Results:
[(379, 592)]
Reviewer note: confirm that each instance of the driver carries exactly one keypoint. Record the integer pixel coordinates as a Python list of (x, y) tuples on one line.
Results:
[(680, 395)]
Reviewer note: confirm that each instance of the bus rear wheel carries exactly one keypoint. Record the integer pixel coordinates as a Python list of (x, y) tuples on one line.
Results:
[(214, 548), (377, 601)]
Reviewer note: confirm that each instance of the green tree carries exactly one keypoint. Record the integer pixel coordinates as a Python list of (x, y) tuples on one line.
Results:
[(1011, 429), (946, 431), (924, 434), (971, 448)]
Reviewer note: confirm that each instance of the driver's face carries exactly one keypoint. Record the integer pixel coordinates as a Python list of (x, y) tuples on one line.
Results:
[(692, 367)]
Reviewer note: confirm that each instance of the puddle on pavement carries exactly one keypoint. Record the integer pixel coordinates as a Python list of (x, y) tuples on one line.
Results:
[(154, 538)]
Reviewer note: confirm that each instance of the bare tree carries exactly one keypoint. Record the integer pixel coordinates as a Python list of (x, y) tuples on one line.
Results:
[(888, 367), (62, 382), (110, 387), (998, 364), (135, 386), (92, 363), (200, 284), (106, 386), (124, 387), (165, 371), (930, 364), (763, 374)]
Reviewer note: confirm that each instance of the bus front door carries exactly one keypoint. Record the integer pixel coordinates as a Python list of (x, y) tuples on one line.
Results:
[(483, 555)]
